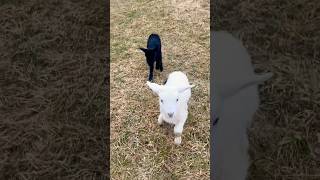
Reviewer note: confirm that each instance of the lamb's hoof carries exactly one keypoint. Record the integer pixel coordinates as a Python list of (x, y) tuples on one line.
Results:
[(165, 82), (160, 120), (177, 140)]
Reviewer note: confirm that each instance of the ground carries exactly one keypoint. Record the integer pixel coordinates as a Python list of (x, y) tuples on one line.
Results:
[(53, 89), (140, 148), (282, 37)]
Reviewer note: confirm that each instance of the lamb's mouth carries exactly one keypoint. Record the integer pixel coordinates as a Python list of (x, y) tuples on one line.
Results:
[(169, 117)]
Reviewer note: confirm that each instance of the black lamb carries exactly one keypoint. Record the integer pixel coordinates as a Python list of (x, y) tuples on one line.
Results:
[(153, 54)]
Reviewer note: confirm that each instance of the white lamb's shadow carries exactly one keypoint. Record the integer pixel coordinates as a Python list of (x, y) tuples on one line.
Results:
[(234, 101)]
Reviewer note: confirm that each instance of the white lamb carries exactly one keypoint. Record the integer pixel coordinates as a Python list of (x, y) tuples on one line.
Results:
[(173, 100), (235, 100)]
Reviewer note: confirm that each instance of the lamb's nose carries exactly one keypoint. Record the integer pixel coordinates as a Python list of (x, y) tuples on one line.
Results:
[(170, 115)]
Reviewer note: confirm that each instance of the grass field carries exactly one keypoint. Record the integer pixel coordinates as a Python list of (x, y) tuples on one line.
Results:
[(53, 89), (140, 149), (282, 37)]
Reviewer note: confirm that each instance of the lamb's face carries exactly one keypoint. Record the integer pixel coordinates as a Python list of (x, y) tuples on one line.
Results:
[(150, 54), (169, 99)]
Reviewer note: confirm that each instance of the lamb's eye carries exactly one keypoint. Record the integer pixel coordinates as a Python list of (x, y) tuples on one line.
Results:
[(161, 101), (177, 100)]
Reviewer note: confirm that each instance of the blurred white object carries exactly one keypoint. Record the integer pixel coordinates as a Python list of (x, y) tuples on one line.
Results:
[(235, 100), (173, 101)]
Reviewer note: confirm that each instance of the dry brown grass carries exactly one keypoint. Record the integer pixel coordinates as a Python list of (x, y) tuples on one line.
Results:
[(140, 149), (283, 37), (53, 72)]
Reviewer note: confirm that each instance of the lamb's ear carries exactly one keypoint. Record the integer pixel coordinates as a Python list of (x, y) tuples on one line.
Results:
[(155, 87), (181, 90), (143, 49)]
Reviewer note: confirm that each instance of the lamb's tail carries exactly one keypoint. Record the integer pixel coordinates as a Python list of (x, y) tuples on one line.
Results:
[(257, 79)]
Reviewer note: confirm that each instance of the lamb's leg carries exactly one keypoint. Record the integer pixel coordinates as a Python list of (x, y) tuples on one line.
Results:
[(151, 72), (160, 62), (160, 120), (157, 64), (178, 128)]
